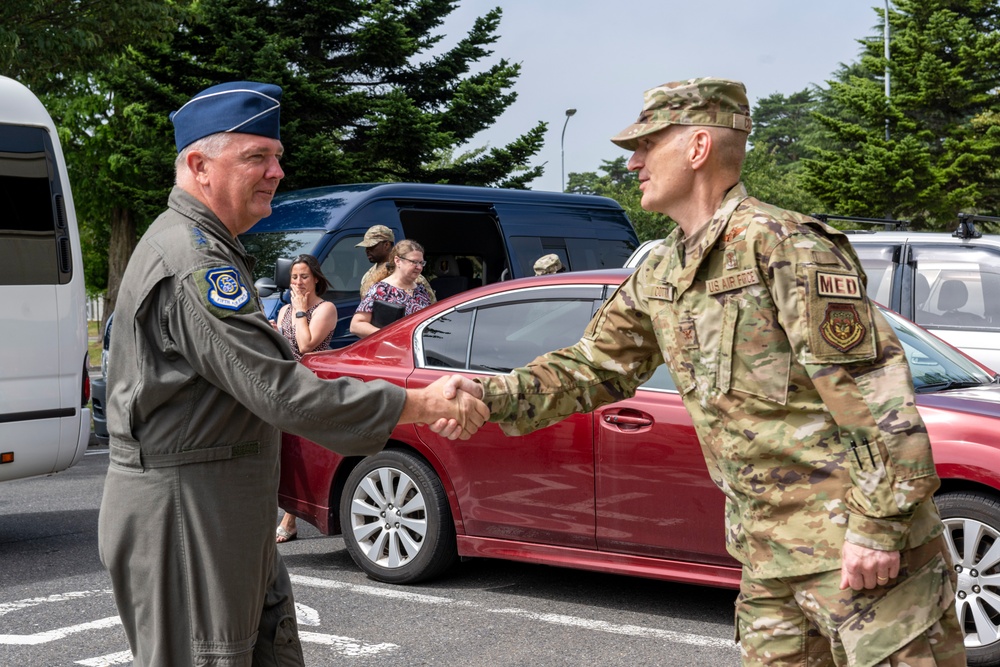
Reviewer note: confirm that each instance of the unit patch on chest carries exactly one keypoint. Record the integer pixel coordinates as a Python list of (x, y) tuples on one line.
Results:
[(842, 327), (731, 281)]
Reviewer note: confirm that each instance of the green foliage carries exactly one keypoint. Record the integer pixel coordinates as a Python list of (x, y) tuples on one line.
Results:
[(369, 95), (943, 140), (618, 183), (767, 179), (43, 41)]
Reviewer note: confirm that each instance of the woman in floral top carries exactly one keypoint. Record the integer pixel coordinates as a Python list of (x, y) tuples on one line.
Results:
[(397, 285)]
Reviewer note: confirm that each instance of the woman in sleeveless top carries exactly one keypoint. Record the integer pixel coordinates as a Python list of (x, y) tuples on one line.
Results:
[(307, 323)]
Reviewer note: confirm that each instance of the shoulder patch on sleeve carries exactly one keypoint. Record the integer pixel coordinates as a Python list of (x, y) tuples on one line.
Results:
[(839, 317), (224, 288)]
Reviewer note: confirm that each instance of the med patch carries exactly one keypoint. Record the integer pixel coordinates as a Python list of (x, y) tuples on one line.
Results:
[(224, 289)]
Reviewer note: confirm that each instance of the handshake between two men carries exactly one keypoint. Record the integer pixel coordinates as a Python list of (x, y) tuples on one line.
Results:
[(451, 406)]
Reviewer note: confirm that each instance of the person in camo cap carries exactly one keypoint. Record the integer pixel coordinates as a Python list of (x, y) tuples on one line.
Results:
[(548, 264), (798, 389)]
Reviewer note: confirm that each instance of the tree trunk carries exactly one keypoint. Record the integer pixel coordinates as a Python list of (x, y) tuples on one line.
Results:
[(120, 247)]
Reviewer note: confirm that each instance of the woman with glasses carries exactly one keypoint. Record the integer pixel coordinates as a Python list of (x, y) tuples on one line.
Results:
[(397, 284)]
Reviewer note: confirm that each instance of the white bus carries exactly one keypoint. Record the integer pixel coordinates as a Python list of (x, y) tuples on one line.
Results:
[(44, 387)]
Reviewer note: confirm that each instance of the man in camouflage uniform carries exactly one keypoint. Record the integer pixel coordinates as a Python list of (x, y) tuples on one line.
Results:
[(798, 389)]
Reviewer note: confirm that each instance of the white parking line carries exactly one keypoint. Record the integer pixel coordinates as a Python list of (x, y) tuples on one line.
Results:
[(7, 607), (345, 645), (555, 619), (47, 636), (120, 658)]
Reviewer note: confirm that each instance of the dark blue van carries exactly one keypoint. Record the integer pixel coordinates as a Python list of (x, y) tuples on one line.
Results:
[(483, 235)]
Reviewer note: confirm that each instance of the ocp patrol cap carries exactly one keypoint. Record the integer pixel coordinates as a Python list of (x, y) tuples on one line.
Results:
[(238, 106), (704, 101)]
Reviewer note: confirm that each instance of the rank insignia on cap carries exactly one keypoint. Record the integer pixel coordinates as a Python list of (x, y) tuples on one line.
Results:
[(842, 327), (226, 289)]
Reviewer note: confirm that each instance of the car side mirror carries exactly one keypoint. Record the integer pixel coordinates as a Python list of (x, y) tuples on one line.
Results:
[(283, 273), (265, 287)]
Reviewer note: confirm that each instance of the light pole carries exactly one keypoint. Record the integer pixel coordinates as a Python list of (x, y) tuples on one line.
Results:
[(562, 146), (885, 36)]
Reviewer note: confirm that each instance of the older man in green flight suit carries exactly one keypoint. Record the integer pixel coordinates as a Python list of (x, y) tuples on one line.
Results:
[(199, 386)]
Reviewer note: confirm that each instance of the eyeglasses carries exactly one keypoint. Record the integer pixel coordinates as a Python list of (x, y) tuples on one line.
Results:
[(413, 261)]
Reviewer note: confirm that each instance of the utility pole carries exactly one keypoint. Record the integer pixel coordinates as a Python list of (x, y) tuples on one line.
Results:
[(562, 146), (885, 35)]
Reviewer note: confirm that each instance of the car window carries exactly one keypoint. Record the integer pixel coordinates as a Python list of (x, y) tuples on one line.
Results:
[(510, 335), (503, 334), (957, 287), (445, 340), (267, 247), (934, 364), (877, 262), (34, 245)]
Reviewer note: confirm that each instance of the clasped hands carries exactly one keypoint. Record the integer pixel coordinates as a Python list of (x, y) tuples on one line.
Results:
[(457, 403)]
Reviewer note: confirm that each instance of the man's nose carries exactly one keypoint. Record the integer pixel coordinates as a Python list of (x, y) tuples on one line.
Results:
[(635, 162), (275, 170)]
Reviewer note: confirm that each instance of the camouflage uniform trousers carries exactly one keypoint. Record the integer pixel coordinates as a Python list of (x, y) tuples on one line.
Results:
[(808, 621)]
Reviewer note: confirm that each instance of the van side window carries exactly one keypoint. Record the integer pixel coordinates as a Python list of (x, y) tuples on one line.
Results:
[(957, 287), (344, 266), (34, 241)]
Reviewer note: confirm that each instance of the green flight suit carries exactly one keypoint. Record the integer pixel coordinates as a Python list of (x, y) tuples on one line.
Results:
[(200, 386)]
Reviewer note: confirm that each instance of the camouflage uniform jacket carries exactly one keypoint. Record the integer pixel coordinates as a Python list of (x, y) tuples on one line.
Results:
[(782, 363)]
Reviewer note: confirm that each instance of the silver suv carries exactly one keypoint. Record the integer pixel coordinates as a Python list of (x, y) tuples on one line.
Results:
[(947, 283)]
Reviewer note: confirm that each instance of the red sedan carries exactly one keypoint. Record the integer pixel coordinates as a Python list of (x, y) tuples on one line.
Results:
[(621, 490)]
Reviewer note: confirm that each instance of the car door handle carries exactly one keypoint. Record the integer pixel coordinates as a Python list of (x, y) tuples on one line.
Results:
[(628, 420)]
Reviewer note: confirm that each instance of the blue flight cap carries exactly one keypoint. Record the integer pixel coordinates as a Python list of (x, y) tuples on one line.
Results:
[(237, 106)]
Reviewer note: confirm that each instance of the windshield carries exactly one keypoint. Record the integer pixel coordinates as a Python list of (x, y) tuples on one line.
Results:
[(934, 364), (267, 247)]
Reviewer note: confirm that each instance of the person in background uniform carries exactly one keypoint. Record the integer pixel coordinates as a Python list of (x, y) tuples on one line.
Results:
[(797, 387), (307, 323), (378, 244), (399, 284), (548, 264), (199, 386)]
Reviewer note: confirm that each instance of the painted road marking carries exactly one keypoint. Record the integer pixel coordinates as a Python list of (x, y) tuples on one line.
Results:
[(120, 658), (555, 619), (47, 636), (7, 607)]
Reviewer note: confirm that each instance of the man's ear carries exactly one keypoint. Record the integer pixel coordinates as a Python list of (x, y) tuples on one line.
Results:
[(197, 164), (700, 147)]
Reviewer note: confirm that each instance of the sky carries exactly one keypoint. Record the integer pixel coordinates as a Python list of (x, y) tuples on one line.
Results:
[(598, 56)]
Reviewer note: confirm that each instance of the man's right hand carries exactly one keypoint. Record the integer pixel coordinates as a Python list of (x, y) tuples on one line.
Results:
[(450, 412), (453, 387)]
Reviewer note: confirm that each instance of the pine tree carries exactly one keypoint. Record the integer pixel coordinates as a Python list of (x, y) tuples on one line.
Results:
[(941, 118), (369, 95)]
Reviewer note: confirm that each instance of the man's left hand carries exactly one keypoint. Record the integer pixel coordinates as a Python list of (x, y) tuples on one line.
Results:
[(862, 567)]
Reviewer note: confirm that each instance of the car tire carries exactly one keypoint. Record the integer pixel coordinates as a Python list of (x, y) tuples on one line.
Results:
[(972, 529), (418, 543)]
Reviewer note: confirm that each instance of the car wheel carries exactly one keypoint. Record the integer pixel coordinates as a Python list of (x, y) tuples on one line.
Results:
[(972, 529), (397, 523)]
